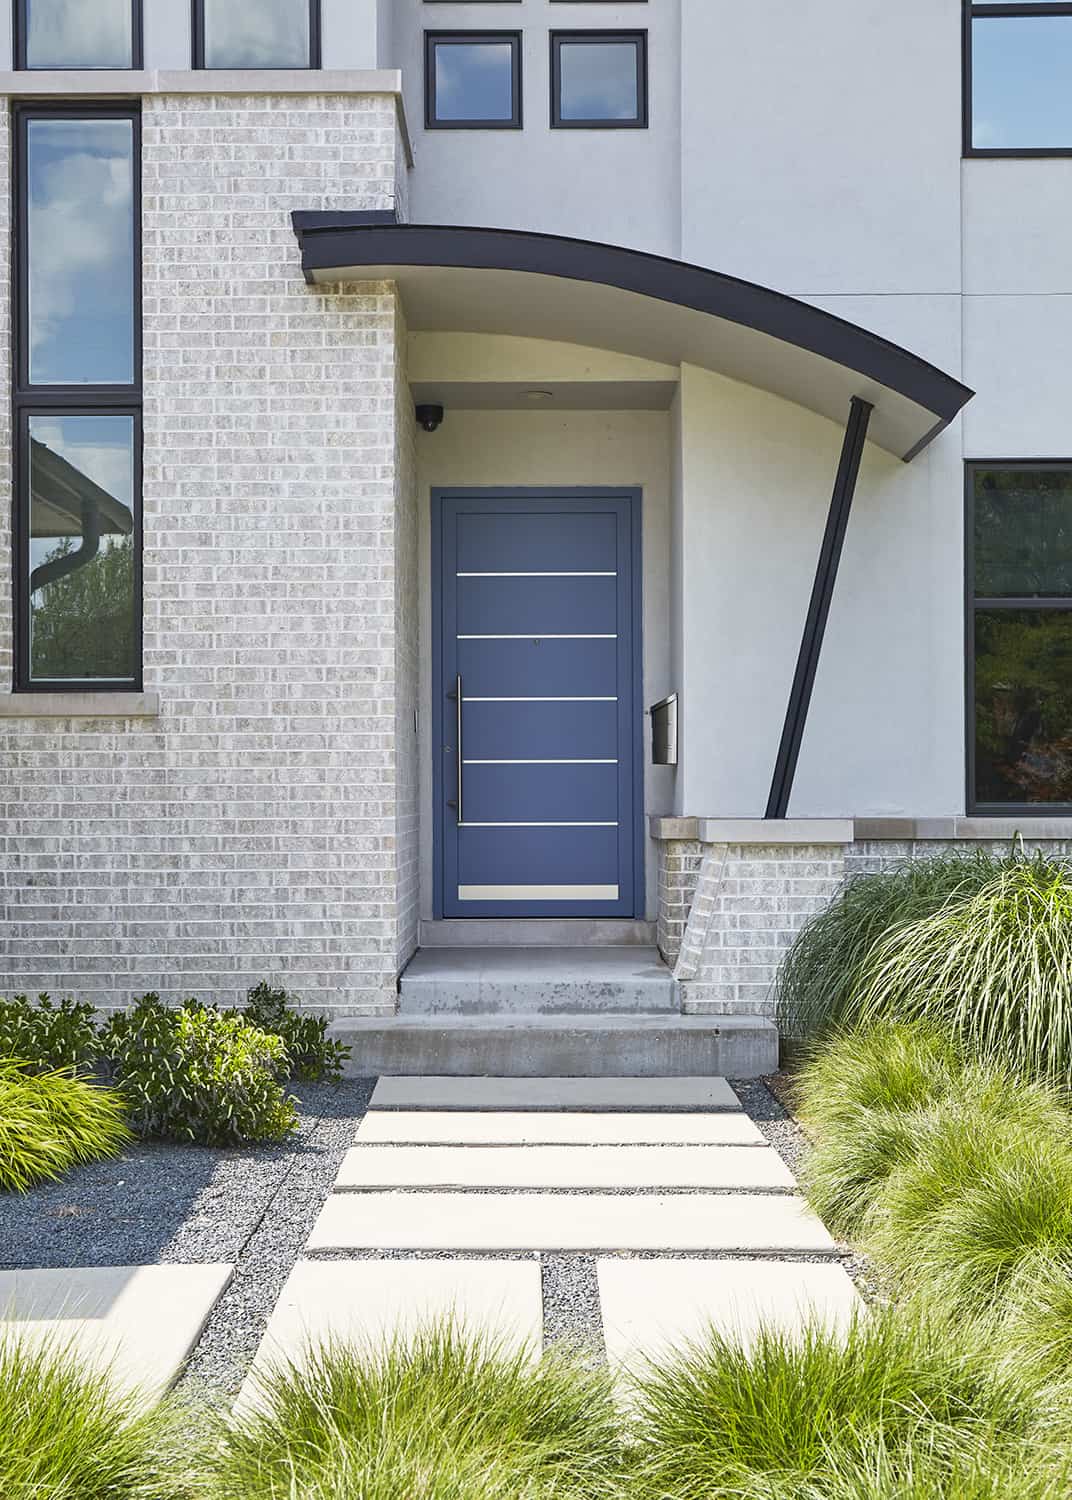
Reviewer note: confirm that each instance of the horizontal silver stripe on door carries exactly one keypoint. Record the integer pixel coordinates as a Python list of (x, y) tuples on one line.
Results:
[(536, 575), (538, 893), (541, 700), (533, 635), (540, 762), (541, 825)]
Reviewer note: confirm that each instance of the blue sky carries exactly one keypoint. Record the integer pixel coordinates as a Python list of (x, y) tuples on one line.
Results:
[(1022, 81)]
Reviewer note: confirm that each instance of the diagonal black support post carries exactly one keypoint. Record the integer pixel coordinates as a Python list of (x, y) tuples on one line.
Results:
[(796, 717)]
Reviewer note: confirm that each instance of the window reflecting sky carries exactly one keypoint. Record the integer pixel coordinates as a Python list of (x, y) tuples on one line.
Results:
[(599, 81), (474, 81), (256, 33), (81, 251), (1021, 82), (78, 34), (99, 447)]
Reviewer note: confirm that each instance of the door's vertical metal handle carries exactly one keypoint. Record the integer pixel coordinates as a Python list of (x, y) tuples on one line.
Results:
[(458, 737)]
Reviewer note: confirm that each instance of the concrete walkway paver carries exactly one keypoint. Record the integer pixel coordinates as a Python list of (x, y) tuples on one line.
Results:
[(582, 1221), (677, 1094), (652, 1307), (612, 1167), (371, 1301), (542, 1128), (140, 1321)]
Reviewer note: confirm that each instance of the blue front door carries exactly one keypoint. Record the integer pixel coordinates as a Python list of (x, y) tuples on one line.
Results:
[(537, 734)]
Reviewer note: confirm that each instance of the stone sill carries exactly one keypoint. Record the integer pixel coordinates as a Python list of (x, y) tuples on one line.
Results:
[(760, 831), (79, 706), (107, 83)]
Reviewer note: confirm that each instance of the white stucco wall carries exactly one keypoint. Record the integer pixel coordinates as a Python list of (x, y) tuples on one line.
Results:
[(489, 448), (885, 732)]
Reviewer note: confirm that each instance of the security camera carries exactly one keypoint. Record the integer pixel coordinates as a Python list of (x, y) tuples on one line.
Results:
[(430, 417)]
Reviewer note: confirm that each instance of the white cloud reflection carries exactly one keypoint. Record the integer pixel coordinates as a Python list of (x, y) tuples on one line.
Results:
[(79, 34), (257, 33)]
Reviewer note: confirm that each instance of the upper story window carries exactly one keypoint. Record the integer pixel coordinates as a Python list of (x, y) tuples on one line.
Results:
[(472, 80), (1020, 635), (77, 399), (599, 80), (256, 33), (1018, 63), (78, 34)]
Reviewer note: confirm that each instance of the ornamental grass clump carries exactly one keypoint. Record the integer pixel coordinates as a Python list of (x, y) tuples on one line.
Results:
[(66, 1433), (820, 978), (51, 1122), (986, 1195), (993, 968), (436, 1416), (809, 1414), (865, 1099)]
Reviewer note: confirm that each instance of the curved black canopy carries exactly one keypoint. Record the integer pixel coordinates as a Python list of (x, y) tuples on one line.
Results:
[(545, 286)]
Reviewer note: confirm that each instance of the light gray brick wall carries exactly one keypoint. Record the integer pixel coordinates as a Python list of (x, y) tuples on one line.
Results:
[(749, 903), (407, 656), (264, 824), (873, 856)]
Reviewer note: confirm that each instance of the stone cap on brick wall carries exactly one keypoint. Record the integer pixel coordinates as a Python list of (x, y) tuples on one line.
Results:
[(855, 830)]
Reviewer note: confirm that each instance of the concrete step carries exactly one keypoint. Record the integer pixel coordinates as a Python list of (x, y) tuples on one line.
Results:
[(553, 932), (534, 1046), (538, 981)]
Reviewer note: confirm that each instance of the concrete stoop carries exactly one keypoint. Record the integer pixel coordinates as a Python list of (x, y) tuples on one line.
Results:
[(566, 1046)]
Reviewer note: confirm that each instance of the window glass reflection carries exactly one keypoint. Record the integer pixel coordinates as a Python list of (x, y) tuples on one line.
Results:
[(474, 81), (1023, 533), (80, 191), (79, 34), (81, 552), (257, 34), (599, 81), (1021, 66)]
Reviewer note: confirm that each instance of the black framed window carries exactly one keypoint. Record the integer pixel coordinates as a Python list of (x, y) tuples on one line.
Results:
[(1017, 67), (1019, 530), (77, 399), (472, 80), (599, 80), (256, 34), (78, 34)]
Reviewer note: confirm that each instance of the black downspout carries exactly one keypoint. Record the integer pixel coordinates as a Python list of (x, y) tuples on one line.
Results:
[(61, 567), (822, 593)]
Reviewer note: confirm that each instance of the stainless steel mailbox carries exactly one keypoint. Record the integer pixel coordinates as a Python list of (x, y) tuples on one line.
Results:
[(664, 731)]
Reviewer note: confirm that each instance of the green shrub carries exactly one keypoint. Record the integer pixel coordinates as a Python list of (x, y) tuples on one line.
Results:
[(47, 1035), (986, 1193), (439, 1416), (994, 968), (198, 1075), (312, 1057), (66, 1434), (791, 1414), (819, 980), (51, 1122)]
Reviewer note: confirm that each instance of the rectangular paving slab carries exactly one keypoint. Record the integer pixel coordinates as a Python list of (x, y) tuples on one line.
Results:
[(568, 1221), (141, 1321), (653, 1307), (368, 1167), (367, 1301), (428, 1092), (544, 1128)]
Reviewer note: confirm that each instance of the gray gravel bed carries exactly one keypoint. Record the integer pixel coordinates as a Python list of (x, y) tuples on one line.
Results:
[(571, 1310)]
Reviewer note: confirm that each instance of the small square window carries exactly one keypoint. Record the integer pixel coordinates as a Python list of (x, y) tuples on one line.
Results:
[(599, 80), (256, 34), (78, 34), (473, 80), (1017, 61)]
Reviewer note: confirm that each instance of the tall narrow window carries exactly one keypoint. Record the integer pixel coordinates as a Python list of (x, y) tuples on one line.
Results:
[(78, 34), (1018, 62), (256, 33), (78, 400), (1020, 635)]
